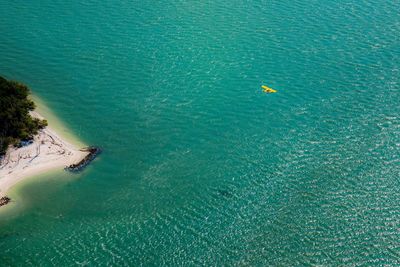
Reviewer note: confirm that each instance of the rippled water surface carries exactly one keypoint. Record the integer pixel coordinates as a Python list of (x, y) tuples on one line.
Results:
[(199, 166)]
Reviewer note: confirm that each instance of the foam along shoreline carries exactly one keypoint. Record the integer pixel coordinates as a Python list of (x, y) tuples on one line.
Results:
[(48, 151)]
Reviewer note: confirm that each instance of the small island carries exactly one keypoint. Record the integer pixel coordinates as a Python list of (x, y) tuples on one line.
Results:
[(28, 146)]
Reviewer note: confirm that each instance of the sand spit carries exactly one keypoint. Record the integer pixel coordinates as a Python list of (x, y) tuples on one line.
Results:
[(48, 151)]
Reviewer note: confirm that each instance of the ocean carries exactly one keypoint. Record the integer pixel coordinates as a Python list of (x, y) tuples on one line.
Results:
[(199, 166)]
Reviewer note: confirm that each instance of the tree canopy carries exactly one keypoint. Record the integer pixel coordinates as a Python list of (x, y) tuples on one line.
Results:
[(16, 124)]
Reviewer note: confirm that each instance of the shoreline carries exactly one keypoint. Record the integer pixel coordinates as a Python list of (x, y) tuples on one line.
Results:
[(48, 151), (56, 123)]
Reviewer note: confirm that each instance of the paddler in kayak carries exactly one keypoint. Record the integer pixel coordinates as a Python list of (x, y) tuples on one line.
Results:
[(268, 90)]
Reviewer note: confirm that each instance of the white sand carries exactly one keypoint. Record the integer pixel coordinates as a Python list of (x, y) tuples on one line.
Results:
[(47, 152)]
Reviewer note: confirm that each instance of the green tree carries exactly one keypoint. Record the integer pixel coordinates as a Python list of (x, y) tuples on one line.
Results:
[(15, 122)]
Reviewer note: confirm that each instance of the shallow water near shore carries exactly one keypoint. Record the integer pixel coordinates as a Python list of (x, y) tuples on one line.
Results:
[(199, 167), (30, 193), (56, 123)]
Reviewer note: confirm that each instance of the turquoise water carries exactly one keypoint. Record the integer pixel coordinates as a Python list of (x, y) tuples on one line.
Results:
[(199, 166)]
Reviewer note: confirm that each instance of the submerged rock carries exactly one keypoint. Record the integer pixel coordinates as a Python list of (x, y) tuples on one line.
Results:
[(4, 201)]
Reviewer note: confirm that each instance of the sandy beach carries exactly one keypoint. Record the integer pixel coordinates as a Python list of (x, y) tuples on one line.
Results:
[(48, 151)]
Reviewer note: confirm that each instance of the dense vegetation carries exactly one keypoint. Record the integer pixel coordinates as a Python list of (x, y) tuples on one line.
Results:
[(15, 122)]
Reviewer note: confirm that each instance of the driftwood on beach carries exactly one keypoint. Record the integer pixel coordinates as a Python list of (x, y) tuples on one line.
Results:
[(4, 201), (93, 153)]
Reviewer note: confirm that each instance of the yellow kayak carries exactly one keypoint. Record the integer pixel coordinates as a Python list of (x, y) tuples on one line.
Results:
[(268, 90)]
